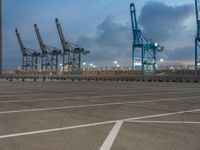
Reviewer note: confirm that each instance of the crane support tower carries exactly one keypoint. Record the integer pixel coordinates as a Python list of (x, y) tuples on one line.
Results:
[(30, 57), (71, 52), (197, 38), (50, 54), (144, 50)]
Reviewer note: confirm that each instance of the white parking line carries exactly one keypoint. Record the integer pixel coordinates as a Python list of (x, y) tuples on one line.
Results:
[(94, 105), (93, 124), (112, 136), (84, 97), (8, 94), (165, 122), (29, 94)]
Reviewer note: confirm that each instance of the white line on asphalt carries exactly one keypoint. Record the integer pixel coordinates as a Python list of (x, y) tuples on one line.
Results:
[(93, 124), (107, 144), (94, 105), (14, 95), (83, 97), (162, 115), (60, 92), (165, 122)]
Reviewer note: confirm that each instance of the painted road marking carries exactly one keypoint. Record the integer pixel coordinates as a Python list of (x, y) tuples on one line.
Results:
[(83, 97), (112, 136), (165, 122), (94, 124), (29, 94), (94, 105)]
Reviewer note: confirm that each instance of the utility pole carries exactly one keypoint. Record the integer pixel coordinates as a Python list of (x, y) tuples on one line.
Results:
[(1, 59)]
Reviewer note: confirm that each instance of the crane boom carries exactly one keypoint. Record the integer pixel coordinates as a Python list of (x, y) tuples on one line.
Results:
[(24, 52), (65, 44), (137, 39), (39, 37), (133, 17)]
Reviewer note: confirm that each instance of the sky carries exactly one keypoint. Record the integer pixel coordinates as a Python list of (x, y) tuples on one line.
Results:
[(101, 26)]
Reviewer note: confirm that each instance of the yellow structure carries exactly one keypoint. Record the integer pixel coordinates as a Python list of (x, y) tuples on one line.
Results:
[(106, 73)]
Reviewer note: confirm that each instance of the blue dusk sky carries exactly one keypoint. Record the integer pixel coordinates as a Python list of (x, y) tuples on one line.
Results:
[(101, 26)]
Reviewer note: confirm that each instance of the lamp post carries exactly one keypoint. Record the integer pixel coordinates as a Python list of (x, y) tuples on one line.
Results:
[(1, 59), (84, 65), (161, 60), (115, 62)]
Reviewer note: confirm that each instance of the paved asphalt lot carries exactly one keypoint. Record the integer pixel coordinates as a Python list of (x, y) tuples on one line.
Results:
[(99, 116)]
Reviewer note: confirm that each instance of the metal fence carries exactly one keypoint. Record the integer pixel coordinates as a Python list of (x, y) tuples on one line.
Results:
[(187, 70)]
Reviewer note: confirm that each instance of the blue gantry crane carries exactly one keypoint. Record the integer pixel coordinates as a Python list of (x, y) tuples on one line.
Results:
[(197, 38), (144, 50)]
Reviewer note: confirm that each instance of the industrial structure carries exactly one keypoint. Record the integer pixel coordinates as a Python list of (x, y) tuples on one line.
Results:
[(144, 53), (144, 50), (30, 57), (71, 52), (197, 39), (67, 57), (49, 54)]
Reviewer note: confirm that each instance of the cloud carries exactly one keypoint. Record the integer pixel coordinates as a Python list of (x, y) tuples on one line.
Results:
[(162, 22), (181, 54), (111, 41)]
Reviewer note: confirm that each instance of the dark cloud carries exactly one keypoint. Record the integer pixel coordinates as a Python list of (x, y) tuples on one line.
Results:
[(161, 21), (181, 54), (112, 34), (112, 40)]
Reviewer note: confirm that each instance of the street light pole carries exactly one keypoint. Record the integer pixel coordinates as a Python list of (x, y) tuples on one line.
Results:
[(1, 59)]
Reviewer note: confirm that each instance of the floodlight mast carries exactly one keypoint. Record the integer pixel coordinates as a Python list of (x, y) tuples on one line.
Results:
[(1, 49)]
